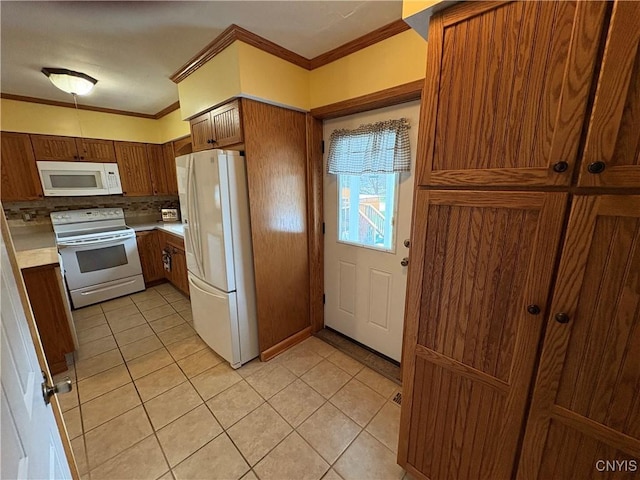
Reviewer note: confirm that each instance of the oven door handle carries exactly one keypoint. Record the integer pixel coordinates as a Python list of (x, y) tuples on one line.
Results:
[(101, 241)]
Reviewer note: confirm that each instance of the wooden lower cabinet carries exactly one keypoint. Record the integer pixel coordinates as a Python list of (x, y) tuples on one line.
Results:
[(51, 312), (150, 256), (479, 278), (586, 402), (174, 247)]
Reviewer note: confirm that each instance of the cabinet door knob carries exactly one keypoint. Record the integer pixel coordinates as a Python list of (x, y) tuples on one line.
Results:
[(596, 167), (81, 158), (533, 309), (562, 317), (560, 167), (75, 157)]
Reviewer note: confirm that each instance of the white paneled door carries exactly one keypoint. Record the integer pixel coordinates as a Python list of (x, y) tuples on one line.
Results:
[(367, 220), (31, 443)]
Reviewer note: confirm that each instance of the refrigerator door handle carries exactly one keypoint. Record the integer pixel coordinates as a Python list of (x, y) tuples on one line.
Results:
[(194, 237), (199, 285)]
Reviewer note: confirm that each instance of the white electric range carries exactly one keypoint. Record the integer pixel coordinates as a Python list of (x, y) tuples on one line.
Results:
[(99, 254)]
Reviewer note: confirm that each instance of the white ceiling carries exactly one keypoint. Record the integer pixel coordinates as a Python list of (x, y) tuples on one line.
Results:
[(133, 47)]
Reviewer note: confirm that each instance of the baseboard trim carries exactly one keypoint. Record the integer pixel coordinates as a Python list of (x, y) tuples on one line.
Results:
[(285, 344)]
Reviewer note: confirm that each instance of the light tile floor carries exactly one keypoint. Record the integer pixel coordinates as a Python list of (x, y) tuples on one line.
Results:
[(152, 401)]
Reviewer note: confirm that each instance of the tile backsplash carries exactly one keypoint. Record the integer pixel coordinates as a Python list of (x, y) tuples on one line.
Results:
[(39, 210)]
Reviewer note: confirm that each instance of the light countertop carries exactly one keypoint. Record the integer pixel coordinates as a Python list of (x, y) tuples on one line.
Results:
[(174, 228), (38, 257), (36, 244)]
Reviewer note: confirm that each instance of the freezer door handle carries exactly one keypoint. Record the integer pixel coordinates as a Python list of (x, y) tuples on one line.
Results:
[(202, 287)]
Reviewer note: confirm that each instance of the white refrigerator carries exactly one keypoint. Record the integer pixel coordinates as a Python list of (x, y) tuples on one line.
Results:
[(215, 211)]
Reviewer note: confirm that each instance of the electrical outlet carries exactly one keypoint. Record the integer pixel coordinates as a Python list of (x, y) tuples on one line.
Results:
[(27, 217)]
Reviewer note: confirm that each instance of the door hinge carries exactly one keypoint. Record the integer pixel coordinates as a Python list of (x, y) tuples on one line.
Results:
[(323, 228), (324, 298), (322, 146)]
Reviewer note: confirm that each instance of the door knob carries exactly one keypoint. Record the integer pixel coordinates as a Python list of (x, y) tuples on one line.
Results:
[(407, 243), (562, 317), (404, 262), (65, 386)]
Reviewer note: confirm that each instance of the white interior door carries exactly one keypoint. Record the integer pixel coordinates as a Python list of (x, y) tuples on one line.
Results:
[(365, 287), (31, 443)]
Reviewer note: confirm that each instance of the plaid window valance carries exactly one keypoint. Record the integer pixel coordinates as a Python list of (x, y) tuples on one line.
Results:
[(381, 147)]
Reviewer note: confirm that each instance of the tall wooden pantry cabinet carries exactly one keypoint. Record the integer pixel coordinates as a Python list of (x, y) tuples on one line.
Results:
[(522, 330)]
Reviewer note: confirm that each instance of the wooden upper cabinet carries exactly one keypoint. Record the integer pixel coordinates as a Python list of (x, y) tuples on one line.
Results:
[(506, 92), (133, 165), (201, 132), (47, 147), (182, 146), (53, 148), (586, 403), (227, 129), (169, 161), (20, 179), (479, 278), (218, 128), (93, 150), (612, 150), (163, 169)]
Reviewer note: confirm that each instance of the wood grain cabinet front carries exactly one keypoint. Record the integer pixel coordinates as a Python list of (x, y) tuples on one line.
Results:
[(612, 151), (45, 290), (150, 256), (506, 92), (94, 150), (174, 247), (586, 402), (133, 164), (20, 179), (483, 258), (52, 148), (217, 128)]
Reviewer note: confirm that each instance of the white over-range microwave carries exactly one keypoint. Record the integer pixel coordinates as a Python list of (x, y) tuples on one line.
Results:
[(68, 179)]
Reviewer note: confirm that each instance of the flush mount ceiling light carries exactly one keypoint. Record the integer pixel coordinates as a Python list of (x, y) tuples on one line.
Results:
[(75, 83)]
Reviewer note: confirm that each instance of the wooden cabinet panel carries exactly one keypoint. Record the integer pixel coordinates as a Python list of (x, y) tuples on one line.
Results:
[(178, 275), (218, 128), (471, 342), (20, 179), (162, 166), (169, 161), (276, 177), (50, 313), (227, 129), (47, 147), (586, 392), (150, 256), (182, 146), (506, 92), (201, 132), (612, 150), (133, 165), (94, 150)]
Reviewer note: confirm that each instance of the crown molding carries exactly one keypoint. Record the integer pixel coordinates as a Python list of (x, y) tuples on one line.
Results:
[(55, 103), (371, 38), (226, 38), (406, 92), (234, 32)]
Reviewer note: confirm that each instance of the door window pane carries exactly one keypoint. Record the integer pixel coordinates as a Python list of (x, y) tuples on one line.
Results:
[(101, 258), (366, 210)]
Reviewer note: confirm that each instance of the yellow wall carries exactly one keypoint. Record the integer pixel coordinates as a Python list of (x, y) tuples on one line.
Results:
[(394, 61), (47, 119), (268, 77), (213, 83), (171, 126), (411, 7)]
